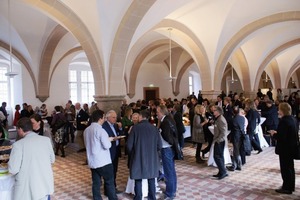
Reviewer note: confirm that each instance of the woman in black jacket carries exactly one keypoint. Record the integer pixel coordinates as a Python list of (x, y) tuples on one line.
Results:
[(286, 136)]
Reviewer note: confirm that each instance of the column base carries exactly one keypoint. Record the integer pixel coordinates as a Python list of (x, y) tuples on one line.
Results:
[(107, 102)]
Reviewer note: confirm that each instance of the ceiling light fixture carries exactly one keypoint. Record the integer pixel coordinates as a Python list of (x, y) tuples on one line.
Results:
[(170, 54), (10, 74)]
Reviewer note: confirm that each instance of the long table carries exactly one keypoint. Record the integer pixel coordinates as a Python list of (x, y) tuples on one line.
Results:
[(7, 182)]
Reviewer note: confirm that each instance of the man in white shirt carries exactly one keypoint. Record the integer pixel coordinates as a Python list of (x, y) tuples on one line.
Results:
[(97, 145)]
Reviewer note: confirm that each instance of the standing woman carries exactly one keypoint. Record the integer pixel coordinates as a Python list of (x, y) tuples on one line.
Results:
[(198, 133), (17, 114), (39, 128), (127, 123), (286, 136)]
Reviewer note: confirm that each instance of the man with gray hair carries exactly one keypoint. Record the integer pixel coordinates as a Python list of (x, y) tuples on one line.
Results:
[(220, 132), (113, 129)]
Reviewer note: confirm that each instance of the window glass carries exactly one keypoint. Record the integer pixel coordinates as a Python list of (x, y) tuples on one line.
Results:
[(81, 83)]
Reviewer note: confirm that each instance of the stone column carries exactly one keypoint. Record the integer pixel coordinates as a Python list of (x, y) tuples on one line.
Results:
[(210, 95), (107, 102)]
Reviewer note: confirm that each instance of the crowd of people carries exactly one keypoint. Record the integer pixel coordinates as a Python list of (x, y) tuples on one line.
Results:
[(158, 126)]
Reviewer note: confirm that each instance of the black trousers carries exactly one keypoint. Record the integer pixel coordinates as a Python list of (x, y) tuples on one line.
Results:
[(138, 189), (107, 173), (219, 157), (254, 141), (287, 171), (198, 149)]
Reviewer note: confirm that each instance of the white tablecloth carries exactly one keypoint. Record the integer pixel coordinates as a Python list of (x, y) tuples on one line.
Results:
[(262, 140), (6, 186), (187, 132), (130, 187), (227, 158)]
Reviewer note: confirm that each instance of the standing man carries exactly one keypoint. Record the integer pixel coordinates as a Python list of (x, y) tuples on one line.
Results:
[(4, 111), (143, 145), (25, 112), (167, 152), (31, 162), (113, 129), (81, 118), (97, 145), (270, 94), (220, 130), (179, 125), (237, 132)]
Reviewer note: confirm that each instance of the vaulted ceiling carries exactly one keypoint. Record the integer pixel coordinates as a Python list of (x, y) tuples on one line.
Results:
[(118, 36)]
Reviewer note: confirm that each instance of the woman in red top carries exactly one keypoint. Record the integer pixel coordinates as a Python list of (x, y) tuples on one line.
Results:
[(17, 114)]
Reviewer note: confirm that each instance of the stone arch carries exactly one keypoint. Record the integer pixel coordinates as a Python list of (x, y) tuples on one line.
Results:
[(45, 62), (200, 57), (180, 74), (71, 51), (138, 62), (243, 33), (124, 34), (269, 58), (244, 67), (74, 24), (291, 71), (23, 60)]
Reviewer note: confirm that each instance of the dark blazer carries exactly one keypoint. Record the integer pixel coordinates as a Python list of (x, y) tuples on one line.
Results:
[(237, 130), (143, 146), (237, 103), (166, 131), (113, 149), (253, 120), (287, 135), (81, 117), (179, 124), (271, 115), (24, 113), (228, 114)]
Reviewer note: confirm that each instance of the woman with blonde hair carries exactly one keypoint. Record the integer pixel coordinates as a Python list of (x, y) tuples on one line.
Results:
[(198, 137)]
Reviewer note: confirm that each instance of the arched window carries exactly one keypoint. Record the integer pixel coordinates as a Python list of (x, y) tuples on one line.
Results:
[(81, 84)]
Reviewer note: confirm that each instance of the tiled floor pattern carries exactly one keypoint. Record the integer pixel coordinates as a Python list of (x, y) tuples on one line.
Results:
[(257, 180)]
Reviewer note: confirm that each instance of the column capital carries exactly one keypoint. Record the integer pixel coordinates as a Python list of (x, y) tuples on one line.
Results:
[(210, 94), (109, 102)]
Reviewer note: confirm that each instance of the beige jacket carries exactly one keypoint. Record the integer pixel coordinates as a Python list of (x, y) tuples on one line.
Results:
[(31, 162), (220, 130)]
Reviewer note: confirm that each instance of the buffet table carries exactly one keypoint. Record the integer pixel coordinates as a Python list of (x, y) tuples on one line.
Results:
[(7, 182), (227, 158), (262, 140)]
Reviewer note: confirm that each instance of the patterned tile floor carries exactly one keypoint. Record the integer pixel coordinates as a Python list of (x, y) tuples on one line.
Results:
[(257, 180)]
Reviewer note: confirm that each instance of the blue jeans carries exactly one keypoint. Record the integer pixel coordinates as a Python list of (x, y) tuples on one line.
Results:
[(138, 189), (107, 172), (167, 157), (219, 157)]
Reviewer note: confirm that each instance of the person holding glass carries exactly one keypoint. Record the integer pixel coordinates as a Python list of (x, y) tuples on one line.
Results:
[(286, 136)]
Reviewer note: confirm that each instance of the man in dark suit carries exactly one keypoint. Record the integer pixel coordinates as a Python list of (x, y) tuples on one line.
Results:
[(219, 102), (25, 112), (179, 124), (113, 129), (236, 101), (228, 112), (271, 115), (143, 145), (81, 124), (237, 131), (253, 121)]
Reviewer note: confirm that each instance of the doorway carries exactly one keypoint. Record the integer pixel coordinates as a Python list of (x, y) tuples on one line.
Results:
[(151, 93)]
